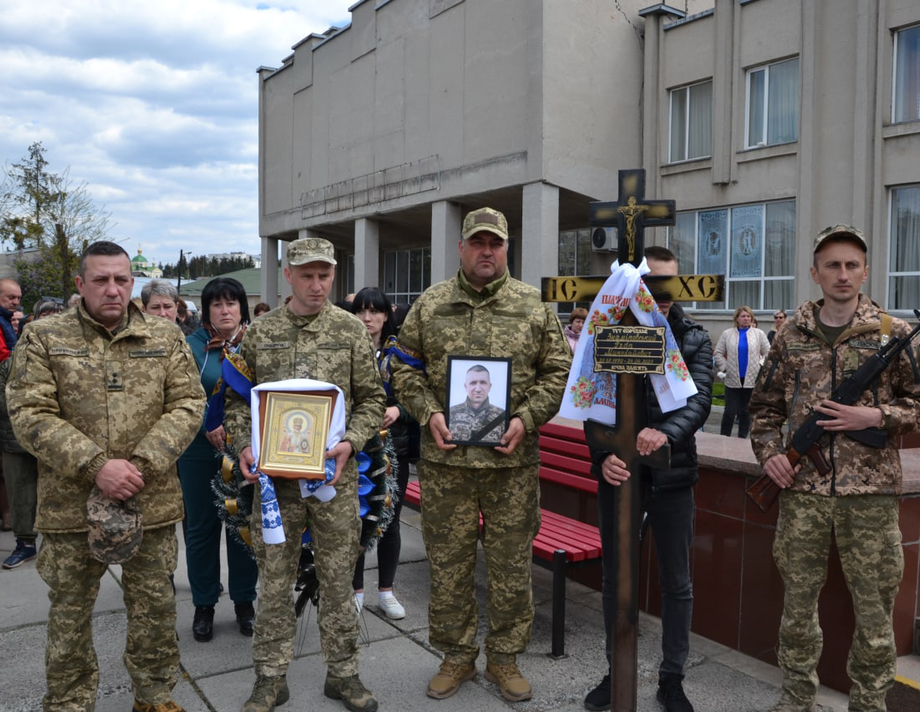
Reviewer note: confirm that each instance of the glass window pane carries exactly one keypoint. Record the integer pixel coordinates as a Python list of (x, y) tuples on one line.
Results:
[(678, 125), (402, 271), (389, 272), (907, 76), (778, 294), (712, 242), (904, 292), (783, 102), (699, 141), (744, 294), (756, 85), (584, 254), (426, 267), (567, 252), (682, 238), (779, 259), (415, 271), (747, 241), (904, 250)]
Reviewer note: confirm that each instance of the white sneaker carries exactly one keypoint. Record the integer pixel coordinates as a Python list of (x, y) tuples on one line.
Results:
[(359, 601), (389, 605)]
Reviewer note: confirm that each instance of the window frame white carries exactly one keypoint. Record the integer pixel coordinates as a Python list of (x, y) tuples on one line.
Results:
[(763, 140), (687, 89)]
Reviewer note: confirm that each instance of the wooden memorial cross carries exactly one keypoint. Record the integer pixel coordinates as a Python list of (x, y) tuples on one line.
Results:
[(631, 214)]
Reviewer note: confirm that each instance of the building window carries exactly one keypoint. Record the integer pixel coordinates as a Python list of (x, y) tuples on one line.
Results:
[(773, 104), (691, 122), (904, 249), (575, 258), (406, 274), (906, 104), (752, 245)]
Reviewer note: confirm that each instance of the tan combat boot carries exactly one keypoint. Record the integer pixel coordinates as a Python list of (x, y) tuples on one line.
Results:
[(267, 693), (451, 675), (508, 677), (163, 707)]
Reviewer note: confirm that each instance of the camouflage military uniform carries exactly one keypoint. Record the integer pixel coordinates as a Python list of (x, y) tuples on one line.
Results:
[(466, 421), (507, 319), (857, 498), (332, 346), (79, 396)]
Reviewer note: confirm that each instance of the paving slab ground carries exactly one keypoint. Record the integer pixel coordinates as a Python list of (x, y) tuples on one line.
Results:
[(396, 659)]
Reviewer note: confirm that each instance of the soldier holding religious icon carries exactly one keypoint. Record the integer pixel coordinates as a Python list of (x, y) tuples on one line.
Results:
[(310, 338)]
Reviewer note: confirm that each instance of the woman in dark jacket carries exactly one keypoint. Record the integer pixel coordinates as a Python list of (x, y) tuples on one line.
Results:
[(225, 314), (373, 308)]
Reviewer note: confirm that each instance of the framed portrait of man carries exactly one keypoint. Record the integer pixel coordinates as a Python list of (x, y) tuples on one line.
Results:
[(478, 396), (294, 427)]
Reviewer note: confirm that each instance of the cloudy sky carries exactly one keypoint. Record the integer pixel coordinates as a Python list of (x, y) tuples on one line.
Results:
[(154, 105)]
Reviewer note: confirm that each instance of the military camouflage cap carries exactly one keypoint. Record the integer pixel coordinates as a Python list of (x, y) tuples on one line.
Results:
[(485, 219), (310, 249), (841, 231), (114, 528)]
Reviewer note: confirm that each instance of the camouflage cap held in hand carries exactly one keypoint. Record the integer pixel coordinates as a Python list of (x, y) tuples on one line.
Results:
[(115, 528), (310, 249), (841, 231), (485, 219)]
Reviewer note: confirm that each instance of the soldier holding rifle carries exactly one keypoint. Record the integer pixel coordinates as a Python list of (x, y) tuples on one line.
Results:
[(845, 486)]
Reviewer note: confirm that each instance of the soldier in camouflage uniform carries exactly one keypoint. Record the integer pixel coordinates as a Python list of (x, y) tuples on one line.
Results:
[(311, 338), (476, 419), (857, 499), (104, 395), (481, 312)]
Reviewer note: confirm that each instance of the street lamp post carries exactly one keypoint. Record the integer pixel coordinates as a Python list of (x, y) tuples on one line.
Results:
[(179, 268)]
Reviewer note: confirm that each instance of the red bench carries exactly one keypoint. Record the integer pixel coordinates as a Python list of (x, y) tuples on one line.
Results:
[(562, 542)]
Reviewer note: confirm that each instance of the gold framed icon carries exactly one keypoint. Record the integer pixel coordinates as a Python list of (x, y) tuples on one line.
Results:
[(293, 429)]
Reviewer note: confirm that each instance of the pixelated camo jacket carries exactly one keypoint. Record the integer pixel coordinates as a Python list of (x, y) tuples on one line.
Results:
[(78, 395), (802, 369), (511, 322)]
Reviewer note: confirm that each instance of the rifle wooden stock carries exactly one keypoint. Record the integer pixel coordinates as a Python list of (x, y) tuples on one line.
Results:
[(764, 491)]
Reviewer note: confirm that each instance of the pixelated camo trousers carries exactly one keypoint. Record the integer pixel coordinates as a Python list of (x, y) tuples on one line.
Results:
[(151, 651), (869, 542), (452, 499)]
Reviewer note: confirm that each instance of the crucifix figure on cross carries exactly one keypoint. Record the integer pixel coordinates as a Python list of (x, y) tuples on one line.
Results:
[(629, 339)]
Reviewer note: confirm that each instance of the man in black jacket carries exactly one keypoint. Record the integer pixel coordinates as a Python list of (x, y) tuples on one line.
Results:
[(667, 498)]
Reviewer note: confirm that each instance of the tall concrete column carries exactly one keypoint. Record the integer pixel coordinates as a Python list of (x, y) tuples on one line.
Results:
[(269, 273), (446, 219), (367, 253), (539, 232)]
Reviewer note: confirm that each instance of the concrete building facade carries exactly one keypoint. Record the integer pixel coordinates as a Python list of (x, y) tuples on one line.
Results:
[(764, 119)]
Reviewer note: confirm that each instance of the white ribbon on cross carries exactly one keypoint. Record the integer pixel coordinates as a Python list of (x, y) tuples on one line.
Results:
[(590, 394)]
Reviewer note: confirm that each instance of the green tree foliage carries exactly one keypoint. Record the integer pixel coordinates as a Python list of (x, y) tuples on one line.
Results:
[(50, 219), (204, 266)]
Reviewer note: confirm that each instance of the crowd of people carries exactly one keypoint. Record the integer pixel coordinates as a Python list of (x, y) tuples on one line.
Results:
[(110, 437)]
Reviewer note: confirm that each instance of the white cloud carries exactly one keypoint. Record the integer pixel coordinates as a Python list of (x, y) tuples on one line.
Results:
[(154, 105)]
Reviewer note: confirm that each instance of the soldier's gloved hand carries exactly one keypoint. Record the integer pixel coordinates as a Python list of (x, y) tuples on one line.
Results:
[(247, 464), (512, 437), (438, 427), (341, 453), (119, 479)]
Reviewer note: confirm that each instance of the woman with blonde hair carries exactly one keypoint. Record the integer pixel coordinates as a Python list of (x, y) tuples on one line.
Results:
[(739, 354)]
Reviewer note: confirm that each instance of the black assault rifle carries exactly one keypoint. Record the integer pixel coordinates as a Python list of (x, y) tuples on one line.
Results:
[(805, 440)]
